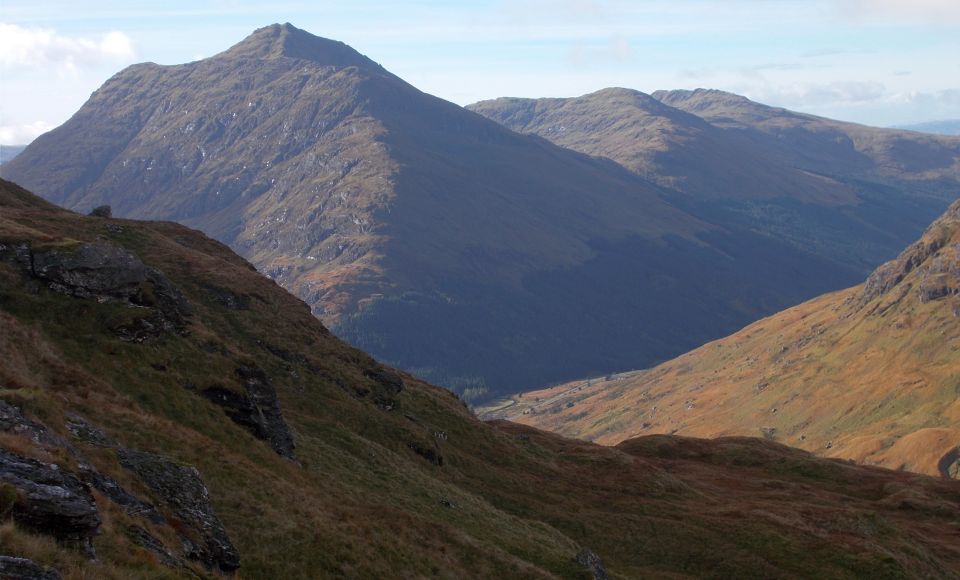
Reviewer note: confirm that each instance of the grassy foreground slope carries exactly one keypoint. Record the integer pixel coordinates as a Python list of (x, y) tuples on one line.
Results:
[(386, 476), (871, 373)]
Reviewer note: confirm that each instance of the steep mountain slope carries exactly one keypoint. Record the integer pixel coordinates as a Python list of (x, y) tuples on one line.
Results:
[(428, 235), (871, 373), (171, 412), (8, 152), (842, 191)]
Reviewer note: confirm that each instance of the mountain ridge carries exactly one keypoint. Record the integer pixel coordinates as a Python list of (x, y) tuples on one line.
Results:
[(426, 234), (848, 193)]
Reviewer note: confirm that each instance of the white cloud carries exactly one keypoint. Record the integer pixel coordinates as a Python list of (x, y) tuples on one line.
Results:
[(23, 134), (819, 94), (939, 12), (583, 54), (22, 47)]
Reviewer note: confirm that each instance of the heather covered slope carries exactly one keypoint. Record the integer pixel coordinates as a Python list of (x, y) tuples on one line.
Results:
[(425, 234), (383, 475), (844, 192), (871, 373)]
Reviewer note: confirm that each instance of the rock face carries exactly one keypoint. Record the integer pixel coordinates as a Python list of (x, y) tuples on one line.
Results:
[(13, 421), (592, 563), (183, 491), (949, 464), (51, 500), (87, 433), (103, 211), (12, 568), (258, 410), (936, 256), (57, 502), (143, 538), (107, 273), (118, 495), (387, 385)]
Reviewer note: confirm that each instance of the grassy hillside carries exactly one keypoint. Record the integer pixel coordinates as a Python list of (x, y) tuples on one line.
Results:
[(871, 373), (116, 333)]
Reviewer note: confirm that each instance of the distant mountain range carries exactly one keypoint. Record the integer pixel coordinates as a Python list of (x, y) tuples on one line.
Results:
[(844, 192), (479, 257), (871, 373), (945, 127)]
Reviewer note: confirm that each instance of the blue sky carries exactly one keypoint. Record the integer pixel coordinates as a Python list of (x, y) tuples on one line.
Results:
[(880, 62)]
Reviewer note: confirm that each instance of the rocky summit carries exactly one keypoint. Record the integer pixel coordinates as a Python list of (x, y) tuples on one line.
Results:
[(246, 439), (433, 237)]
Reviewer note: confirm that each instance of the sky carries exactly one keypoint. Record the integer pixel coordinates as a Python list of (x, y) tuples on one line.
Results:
[(878, 62)]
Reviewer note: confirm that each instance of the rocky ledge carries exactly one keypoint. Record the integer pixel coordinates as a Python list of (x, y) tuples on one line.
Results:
[(12, 568), (106, 273), (50, 500), (257, 409), (182, 490)]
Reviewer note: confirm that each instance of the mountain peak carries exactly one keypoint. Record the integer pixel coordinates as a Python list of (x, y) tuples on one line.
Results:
[(286, 40)]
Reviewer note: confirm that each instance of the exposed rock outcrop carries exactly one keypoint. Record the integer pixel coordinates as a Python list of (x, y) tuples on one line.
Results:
[(118, 495), (949, 464), (936, 257), (258, 410), (12, 420), (387, 385), (87, 433), (106, 273), (51, 500), (143, 538), (182, 490), (885, 277), (13, 568), (592, 563), (101, 211), (431, 454)]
